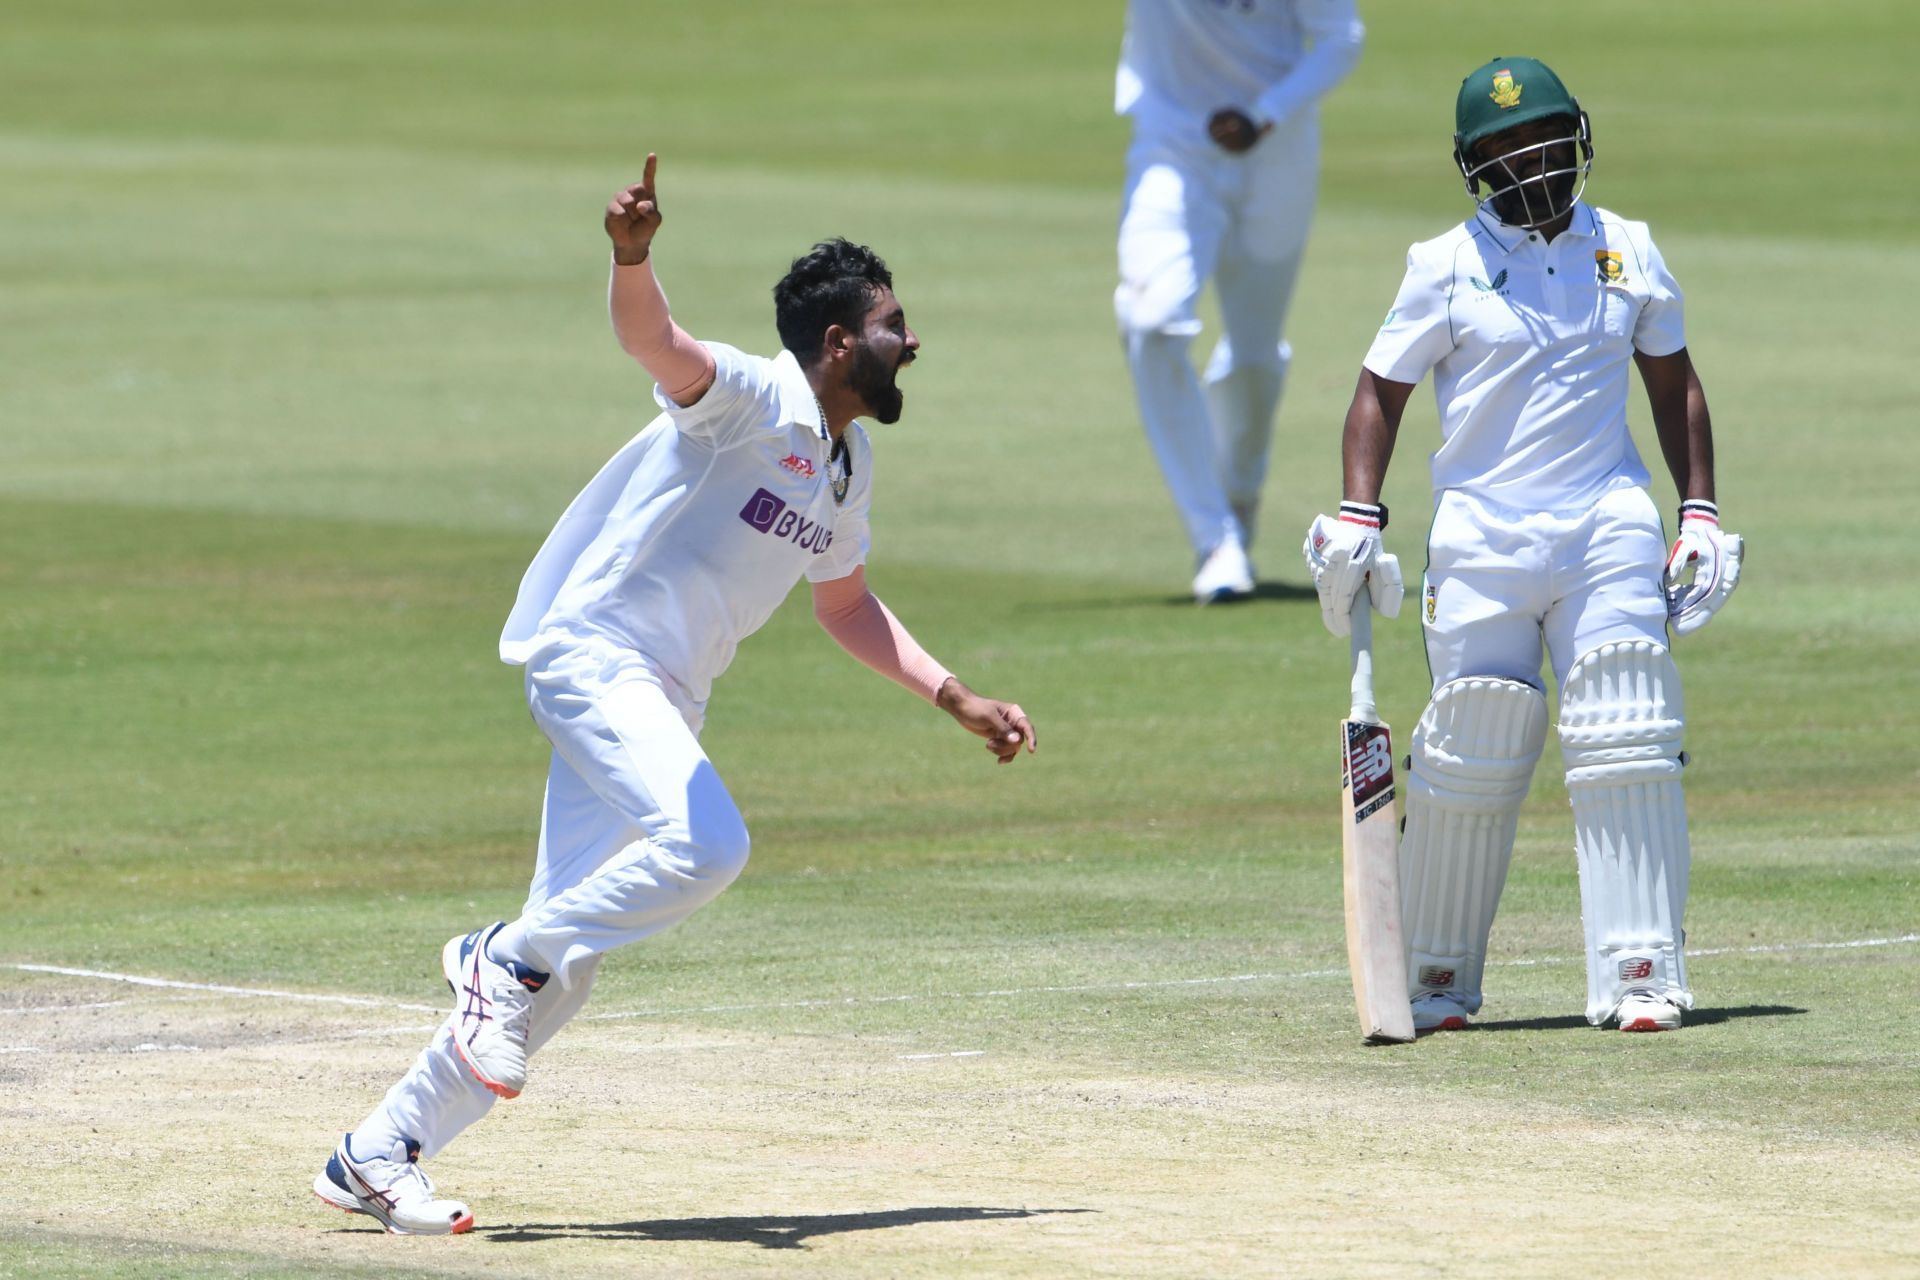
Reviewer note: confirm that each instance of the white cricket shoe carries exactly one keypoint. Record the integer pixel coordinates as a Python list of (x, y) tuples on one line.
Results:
[(1644, 1010), (393, 1189), (1226, 574), (1439, 1011), (491, 1003)]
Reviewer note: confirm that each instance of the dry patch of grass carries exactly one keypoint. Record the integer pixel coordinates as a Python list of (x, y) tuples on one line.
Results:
[(197, 1121)]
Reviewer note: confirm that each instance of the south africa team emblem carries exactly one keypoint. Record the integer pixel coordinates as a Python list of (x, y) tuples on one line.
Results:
[(1607, 262), (1506, 94), (1433, 602)]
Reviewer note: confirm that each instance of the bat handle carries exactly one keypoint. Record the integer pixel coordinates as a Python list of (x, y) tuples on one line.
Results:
[(1361, 618)]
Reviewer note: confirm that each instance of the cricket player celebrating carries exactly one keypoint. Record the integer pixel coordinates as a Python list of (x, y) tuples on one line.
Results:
[(1527, 315), (754, 476), (1221, 178)]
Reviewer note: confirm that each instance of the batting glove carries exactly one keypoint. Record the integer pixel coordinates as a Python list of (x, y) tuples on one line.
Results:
[(1344, 553), (1702, 569)]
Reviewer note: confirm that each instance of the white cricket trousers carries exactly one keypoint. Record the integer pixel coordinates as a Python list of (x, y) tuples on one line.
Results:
[(1501, 582), (637, 833), (1192, 213)]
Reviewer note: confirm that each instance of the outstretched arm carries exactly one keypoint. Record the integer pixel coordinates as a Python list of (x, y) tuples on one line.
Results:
[(865, 628), (683, 368)]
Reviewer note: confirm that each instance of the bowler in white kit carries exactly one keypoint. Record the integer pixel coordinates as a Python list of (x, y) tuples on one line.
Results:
[(1222, 174), (754, 476), (1528, 316)]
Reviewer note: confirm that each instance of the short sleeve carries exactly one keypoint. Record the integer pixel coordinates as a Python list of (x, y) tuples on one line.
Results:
[(1418, 333), (744, 398), (852, 530), (1661, 329)]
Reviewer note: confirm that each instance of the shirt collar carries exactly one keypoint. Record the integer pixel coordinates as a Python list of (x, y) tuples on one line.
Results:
[(798, 404), (1584, 224)]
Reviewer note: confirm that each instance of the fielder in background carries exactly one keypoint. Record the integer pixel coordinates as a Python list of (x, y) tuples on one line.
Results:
[(754, 476), (1527, 315), (1221, 179)]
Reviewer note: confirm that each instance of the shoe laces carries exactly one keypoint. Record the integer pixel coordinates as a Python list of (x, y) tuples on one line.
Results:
[(401, 1179), (411, 1177), (512, 1003)]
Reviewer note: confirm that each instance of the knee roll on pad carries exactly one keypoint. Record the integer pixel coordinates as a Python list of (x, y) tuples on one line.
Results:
[(1473, 756), (1621, 730)]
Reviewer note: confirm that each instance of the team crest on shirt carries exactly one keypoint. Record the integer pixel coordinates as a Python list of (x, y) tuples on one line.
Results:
[(1506, 94), (1433, 603), (798, 465), (1607, 263)]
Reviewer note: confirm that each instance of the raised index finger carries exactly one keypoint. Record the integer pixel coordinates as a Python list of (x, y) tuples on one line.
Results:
[(646, 178)]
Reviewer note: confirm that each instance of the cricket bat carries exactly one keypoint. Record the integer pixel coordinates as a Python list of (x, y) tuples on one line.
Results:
[(1370, 852)]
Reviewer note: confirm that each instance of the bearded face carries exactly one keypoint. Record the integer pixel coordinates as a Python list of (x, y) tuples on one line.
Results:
[(872, 378)]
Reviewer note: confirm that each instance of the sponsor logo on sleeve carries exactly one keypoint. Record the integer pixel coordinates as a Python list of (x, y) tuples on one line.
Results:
[(769, 514)]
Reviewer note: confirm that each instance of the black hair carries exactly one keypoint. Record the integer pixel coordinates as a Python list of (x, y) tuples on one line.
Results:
[(832, 283)]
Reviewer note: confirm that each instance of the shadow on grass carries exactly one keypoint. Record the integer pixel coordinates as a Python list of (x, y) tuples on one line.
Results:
[(1694, 1018), (777, 1232)]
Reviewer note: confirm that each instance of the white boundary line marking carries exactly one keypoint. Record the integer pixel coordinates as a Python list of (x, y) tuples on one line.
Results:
[(364, 1002), (921, 1057), (367, 1002)]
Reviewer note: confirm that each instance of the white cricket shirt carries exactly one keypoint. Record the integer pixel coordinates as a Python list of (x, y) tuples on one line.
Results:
[(692, 535), (1183, 60), (1529, 343)]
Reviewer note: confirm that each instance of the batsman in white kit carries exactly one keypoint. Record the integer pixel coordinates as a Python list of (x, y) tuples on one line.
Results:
[(1528, 315), (1222, 174), (754, 475)]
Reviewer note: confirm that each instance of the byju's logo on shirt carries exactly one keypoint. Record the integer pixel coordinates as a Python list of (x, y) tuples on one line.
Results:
[(769, 514)]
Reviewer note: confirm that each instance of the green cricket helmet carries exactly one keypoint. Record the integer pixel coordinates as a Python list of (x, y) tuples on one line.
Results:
[(1528, 184)]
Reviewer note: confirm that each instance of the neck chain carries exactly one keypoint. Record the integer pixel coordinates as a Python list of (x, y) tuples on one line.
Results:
[(839, 459)]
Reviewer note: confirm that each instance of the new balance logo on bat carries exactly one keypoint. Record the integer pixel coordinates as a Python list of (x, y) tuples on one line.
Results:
[(1374, 763), (1369, 768), (770, 514)]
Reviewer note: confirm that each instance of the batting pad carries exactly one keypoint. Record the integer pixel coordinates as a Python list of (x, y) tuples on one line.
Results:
[(1473, 755), (1621, 722)]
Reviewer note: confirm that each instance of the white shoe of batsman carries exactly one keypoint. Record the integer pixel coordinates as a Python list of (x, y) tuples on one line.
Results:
[(1648, 1011), (1439, 1011), (491, 1004), (393, 1189)]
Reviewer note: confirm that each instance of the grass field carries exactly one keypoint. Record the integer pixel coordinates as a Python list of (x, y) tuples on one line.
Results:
[(305, 349)]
